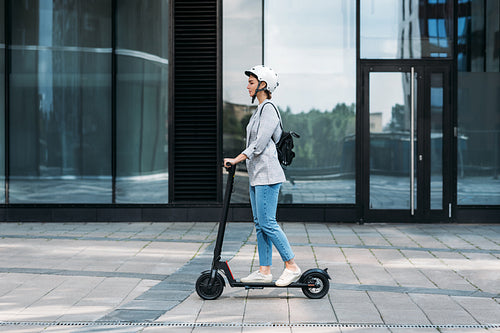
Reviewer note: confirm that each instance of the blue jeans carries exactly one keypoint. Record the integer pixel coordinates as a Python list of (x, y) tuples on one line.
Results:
[(264, 201)]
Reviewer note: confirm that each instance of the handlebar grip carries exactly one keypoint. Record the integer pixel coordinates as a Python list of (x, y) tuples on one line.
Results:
[(231, 168)]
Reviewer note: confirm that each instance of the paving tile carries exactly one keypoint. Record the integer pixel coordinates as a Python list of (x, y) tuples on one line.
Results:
[(318, 233), (364, 330), (187, 311), (484, 310), (304, 310), (21, 329), (398, 308), (467, 330), (133, 315), (216, 329), (442, 310), (267, 309), (315, 330), (367, 269), (419, 330), (354, 307), (267, 330), (167, 329), (222, 309)]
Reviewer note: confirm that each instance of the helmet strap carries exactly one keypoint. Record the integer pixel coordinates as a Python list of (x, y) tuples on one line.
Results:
[(257, 90)]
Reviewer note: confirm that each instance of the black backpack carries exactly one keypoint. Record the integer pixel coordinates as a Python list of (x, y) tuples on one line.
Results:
[(284, 146)]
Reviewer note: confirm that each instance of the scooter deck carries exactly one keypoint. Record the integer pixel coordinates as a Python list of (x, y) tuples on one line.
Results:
[(258, 285)]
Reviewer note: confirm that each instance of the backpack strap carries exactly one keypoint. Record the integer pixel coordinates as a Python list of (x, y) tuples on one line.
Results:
[(279, 117), (277, 112)]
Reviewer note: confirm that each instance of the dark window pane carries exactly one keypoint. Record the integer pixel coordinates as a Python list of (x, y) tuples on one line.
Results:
[(406, 29), (478, 143), (142, 101), (436, 156), (60, 102)]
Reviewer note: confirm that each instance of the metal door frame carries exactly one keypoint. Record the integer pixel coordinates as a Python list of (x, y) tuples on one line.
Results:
[(423, 213)]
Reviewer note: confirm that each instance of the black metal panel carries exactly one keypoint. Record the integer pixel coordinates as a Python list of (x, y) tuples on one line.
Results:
[(119, 214), (29, 214), (477, 214), (195, 80), (74, 214)]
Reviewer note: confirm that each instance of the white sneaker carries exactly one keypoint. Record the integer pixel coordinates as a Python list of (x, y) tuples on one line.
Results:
[(288, 277), (258, 277)]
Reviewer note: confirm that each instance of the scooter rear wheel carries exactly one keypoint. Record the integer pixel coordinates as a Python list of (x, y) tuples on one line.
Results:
[(207, 292), (321, 285)]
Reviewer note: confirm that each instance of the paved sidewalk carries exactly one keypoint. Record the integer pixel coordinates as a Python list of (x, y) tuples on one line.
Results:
[(139, 277)]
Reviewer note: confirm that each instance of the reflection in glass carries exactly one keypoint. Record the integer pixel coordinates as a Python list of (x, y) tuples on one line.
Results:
[(313, 49), (242, 49), (142, 101), (437, 89), (60, 102), (478, 142), (406, 29), (390, 110), (2, 103)]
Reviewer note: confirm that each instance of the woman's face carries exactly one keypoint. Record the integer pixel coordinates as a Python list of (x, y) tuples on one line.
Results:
[(253, 85)]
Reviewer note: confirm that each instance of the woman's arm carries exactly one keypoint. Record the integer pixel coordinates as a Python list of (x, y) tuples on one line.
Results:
[(236, 160)]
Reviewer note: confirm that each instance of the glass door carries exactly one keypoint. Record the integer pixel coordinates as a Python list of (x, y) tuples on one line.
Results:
[(405, 142)]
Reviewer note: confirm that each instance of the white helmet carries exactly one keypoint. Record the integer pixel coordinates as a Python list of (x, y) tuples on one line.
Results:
[(265, 74)]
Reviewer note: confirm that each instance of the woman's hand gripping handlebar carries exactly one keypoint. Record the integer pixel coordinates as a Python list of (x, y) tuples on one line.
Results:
[(231, 168)]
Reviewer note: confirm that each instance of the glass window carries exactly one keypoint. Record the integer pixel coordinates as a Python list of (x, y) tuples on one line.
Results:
[(313, 49), (142, 101), (436, 155), (478, 142), (406, 29), (60, 102), (2, 103), (390, 149), (242, 49)]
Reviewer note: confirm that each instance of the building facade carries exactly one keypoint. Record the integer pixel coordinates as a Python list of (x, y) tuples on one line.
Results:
[(122, 110)]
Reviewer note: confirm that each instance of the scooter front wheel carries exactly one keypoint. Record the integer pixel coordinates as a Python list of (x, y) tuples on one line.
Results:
[(209, 292), (320, 282)]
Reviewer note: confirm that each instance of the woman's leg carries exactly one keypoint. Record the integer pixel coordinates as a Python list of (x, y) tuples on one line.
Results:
[(265, 204), (264, 245)]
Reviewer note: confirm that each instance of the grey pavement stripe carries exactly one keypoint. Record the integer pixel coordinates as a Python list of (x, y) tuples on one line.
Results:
[(111, 239), (412, 290), (347, 246), (241, 325), (63, 272), (178, 286), (386, 247)]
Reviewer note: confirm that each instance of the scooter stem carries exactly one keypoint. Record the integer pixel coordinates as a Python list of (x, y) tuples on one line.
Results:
[(225, 208)]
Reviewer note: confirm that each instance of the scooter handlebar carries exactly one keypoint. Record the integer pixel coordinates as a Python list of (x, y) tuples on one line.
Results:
[(231, 168)]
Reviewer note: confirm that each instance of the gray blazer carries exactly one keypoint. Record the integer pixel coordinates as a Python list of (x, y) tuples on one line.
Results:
[(262, 163)]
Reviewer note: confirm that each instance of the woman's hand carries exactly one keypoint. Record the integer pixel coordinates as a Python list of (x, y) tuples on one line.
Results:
[(229, 160), (236, 160)]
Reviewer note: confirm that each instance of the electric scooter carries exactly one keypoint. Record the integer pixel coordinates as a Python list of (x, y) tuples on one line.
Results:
[(314, 282)]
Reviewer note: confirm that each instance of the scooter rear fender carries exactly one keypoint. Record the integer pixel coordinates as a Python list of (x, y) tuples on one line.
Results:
[(314, 270)]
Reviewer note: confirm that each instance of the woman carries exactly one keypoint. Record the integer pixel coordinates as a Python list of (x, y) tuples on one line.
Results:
[(265, 175)]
